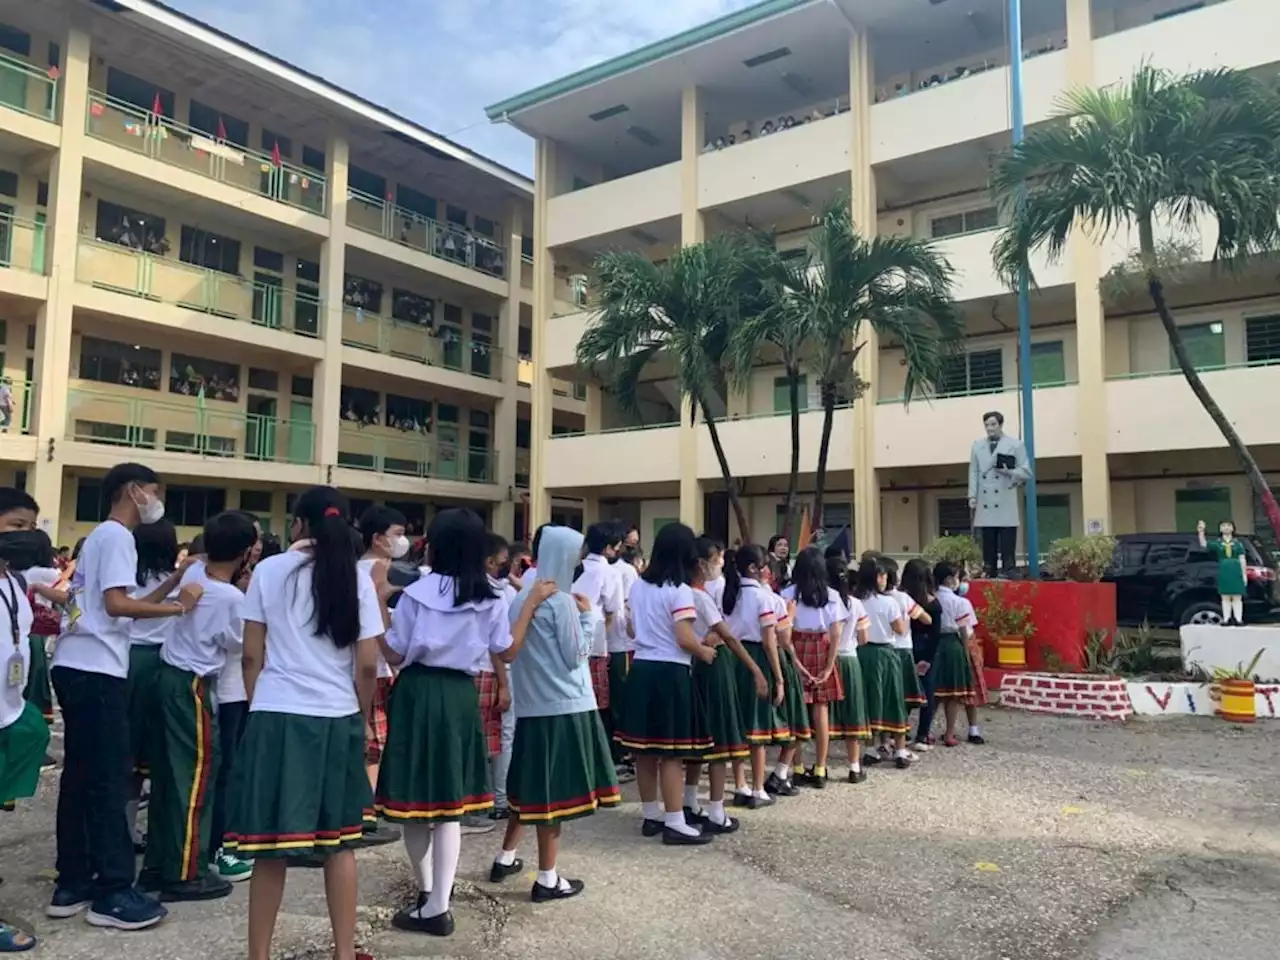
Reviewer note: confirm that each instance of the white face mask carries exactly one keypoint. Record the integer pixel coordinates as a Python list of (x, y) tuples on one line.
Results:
[(399, 547), (151, 510)]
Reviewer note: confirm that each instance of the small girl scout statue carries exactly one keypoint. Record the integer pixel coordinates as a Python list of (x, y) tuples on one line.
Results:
[(1230, 554)]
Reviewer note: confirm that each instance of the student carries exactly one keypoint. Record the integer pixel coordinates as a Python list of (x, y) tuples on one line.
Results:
[(912, 693), (780, 782), (751, 618), (90, 677), (435, 769), (716, 683), (714, 584), (493, 684), (561, 767), (602, 588), (951, 672), (816, 635), (978, 696), (621, 648), (917, 585), (663, 722), (24, 736), (185, 747), (881, 667), (29, 553), (848, 720), (299, 786), (382, 540)]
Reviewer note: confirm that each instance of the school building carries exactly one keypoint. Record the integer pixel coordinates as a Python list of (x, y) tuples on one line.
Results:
[(227, 268), (759, 119)]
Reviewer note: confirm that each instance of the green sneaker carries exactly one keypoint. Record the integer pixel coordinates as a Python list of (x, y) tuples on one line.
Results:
[(231, 868)]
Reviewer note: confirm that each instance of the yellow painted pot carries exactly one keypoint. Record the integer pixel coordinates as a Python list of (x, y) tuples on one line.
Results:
[(1011, 653), (1239, 704)]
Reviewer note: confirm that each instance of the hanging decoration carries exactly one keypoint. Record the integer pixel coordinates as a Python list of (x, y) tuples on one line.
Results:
[(96, 109), (222, 130)]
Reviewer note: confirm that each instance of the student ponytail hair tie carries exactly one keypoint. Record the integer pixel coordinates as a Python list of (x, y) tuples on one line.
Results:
[(332, 512)]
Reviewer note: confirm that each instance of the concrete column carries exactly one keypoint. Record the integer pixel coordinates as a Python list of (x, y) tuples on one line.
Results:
[(866, 483), (54, 319), (594, 413), (505, 409), (544, 164), (327, 413), (590, 512), (692, 230), (1095, 473)]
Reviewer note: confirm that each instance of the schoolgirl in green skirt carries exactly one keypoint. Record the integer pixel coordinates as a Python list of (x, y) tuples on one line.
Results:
[(848, 717), (953, 672), (881, 667), (298, 786), (23, 742)]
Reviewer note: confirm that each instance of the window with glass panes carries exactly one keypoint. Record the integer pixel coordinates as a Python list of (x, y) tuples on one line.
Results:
[(108, 361), (782, 394), (1205, 344), (204, 248), (213, 122), (193, 506), (138, 92), (1262, 339), (268, 287), (126, 226), (1048, 364), (446, 464), (306, 308), (481, 344), (976, 372), (954, 517), (479, 446), (969, 221)]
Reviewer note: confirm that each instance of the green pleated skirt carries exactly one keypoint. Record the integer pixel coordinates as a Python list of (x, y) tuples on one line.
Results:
[(38, 691), (619, 668), (848, 717), (794, 710), (144, 666), (762, 722), (22, 747), (298, 786), (435, 766), (561, 769), (952, 674), (663, 716), (882, 681), (912, 693), (716, 684)]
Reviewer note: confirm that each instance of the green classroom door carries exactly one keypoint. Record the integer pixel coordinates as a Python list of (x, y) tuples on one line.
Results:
[(1053, 515), (301, 431), (1210, 504)]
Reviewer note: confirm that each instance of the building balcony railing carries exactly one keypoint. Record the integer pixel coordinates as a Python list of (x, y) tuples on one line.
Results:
[(383, 218), (121, 269), (160, 138), (16, 413), (414, 455), (419, 343), (208, 429), (29, 89), (22, 243)]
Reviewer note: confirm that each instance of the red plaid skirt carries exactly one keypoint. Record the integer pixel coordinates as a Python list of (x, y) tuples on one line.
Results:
[(813, 650), (600, 681), (490, 715), (378, 721)]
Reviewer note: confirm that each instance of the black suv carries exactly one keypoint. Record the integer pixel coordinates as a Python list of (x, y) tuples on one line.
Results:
[(1168, 580)]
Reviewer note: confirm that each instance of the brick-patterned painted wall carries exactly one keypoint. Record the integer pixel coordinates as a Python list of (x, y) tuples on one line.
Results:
[(1097, 698)]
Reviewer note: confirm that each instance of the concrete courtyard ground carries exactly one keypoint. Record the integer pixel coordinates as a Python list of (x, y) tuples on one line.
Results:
[(1060, 840)]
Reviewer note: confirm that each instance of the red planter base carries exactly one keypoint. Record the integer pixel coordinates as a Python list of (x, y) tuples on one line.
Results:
[(1063, 614)]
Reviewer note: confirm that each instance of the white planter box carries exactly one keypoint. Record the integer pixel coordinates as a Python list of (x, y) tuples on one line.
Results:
[(1210, 646), (1160, 699)]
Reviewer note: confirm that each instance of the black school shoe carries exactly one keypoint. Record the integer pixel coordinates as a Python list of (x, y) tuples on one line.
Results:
[(441, 925), (541, 894), (500, 871), (652, 828), (742, 799), (695, 818), (778, 787), (901, 762), (730, 825), (975, 739), (857, 776), (870, 759), (759, 803), (807, 778), (675, 838), (208, 887)]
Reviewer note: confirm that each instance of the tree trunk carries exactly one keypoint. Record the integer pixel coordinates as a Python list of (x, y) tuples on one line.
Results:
[(730, 484), (1251, 469), (793, 479), (824, 446)]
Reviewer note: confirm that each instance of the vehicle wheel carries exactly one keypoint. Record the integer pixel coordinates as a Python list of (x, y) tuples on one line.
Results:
[(1202, 612)]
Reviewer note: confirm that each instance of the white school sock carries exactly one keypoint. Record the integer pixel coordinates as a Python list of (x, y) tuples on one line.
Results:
[(902, 753), (675, 821), (761, 794), (974, 731), (417, 844), (652, 809), (691, 797), (716, 812), (505, 858), (782, 771), (855, 764), (446, 847), (551, 878)]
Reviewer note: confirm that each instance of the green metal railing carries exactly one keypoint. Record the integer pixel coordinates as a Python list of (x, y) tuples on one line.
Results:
[(29, 89), (414, 455), (208, 429), (632, 429), (20, 408), (121, 269), (160, 138), (448, 241), (22, 243), (1205, 368), (954, 394), (422, 344)]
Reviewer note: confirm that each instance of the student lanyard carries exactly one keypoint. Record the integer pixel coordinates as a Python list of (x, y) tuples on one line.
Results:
[(15, 659)]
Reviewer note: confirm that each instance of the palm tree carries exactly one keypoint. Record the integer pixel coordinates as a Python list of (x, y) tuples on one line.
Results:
[(1161, 148), (900, 286), (683, 308)]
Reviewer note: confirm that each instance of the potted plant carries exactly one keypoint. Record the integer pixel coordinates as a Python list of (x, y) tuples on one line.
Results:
[(1009, 625), (1236, 691), (962, 551), (1081, 559)]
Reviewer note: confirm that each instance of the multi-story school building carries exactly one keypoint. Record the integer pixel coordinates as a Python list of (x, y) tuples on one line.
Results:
[(758, 119), (228, 268)]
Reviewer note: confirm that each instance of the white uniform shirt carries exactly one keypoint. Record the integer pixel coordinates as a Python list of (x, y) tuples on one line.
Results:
[(781, 615), (655, 611), (426, 627), (908, 607), (957, 611), (816, 619), (41, 577), (707, 615), (11, 701), (202, 637), (305, 673), (715, 589), (855, 620), (153, 631), (882, 609), (618, 640), (506, 593), (92, 641), (752, 612), (366, 564), (601, 587)]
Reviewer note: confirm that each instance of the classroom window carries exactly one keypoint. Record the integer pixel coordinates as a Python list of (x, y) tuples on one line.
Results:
[(362, 294), (410, 307), (91, 505), (524, 341), (455, 215), (8, 183), (309, 271), (415, 201), (1048, 364), (782, 394), (954, 517), (217, 379), (215, 123), (265, 259), (978, 372), (193, 506), (270, 140), (130, 228), (15, 40), (486, 227), (409, 414), (302, 386), (267, 380), (524, 435), (526, 248), (366, 182), (1206, 346), (312, 158), (256, 501), (130, 365), (1262, 339), (970, 221), (360, 405), (42, 193), (204, 248), (138, 92)]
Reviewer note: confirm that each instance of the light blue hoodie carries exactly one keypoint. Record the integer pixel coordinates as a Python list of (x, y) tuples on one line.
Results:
[(550, 676)]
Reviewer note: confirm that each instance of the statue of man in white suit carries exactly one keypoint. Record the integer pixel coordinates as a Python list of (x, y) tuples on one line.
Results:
[(998, 467)]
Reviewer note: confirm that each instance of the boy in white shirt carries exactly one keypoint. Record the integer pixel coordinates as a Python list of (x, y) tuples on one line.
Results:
[(603, 590), (90, 667), (185, 755)]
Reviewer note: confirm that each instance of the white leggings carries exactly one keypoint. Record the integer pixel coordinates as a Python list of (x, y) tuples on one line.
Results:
[(1232, 606)]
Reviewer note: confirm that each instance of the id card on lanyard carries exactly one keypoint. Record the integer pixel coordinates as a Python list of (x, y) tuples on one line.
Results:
[(15, 666)]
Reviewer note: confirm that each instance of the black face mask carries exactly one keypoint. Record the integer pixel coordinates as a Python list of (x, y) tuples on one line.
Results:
[(615, 558), (24, 549)]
